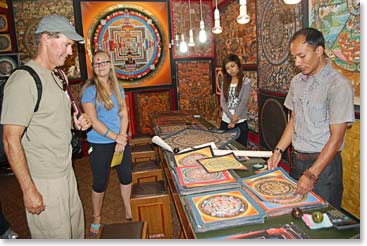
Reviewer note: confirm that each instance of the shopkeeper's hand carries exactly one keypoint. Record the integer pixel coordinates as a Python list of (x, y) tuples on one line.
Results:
[(304, 185)]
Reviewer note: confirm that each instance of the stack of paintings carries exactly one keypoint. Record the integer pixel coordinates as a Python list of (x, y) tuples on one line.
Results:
[(191, 177)]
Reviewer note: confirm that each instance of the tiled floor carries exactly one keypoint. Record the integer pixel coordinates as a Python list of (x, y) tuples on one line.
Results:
[(113, 208)]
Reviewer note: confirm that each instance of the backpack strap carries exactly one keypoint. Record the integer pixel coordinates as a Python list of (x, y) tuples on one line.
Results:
[(37, 81)]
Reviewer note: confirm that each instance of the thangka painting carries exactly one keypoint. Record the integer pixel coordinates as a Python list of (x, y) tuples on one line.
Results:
[(135, 34), (274, 191), (148, 102), (28, 14), (253, 120), (339, 21), (222, 209), (192, 178), (287, 231), (188, 138), (276, 24), (236, 38), (190, 158), (222, 163), (171, 118), (194, 87)]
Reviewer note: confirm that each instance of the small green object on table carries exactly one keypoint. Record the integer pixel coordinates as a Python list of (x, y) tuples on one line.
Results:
[(317, 217)]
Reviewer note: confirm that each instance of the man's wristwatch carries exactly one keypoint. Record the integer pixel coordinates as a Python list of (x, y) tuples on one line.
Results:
[(310, 175), (279, 150)]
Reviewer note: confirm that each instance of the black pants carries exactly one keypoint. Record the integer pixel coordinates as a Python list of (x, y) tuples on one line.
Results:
[(4, 225), (329, 186), (243, 126), (100, 160)]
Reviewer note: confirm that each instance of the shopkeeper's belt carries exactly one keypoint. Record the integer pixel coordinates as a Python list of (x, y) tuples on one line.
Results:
[(305, 156)]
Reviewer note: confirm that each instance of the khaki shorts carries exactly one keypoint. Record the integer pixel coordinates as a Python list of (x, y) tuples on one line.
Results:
[(63, 217)]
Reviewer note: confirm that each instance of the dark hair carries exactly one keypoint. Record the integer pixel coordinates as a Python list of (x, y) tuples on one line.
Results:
[(227, 78), (313, 37)]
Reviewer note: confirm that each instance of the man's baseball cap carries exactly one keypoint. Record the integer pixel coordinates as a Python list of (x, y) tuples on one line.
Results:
[(57, 23)]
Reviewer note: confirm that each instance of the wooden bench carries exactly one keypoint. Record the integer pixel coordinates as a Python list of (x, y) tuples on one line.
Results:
[(150, 202), (146, 171), (129, 230)]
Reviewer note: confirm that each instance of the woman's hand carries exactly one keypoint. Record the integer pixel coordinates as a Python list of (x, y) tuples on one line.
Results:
[(121, 139)]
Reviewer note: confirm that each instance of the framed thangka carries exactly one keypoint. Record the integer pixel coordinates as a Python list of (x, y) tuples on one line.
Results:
[(339, 21), (135, 34)]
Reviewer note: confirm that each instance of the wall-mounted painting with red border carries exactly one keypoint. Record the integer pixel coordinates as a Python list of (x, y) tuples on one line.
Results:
[(151, 101), (136, 36)]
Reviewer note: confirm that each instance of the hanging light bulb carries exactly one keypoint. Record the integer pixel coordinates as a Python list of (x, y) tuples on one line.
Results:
[(243, 18), (292, 1), (202, 32), (191, 38), (217, 28), (177, 40), (183, 44), (191, 33)]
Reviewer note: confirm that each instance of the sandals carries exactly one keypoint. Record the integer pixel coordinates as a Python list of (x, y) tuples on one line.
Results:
[(94, 228)]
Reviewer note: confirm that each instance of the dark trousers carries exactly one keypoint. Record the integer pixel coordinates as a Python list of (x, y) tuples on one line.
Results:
[(329, 186), (100, 159), (243, 126), (4, 225)]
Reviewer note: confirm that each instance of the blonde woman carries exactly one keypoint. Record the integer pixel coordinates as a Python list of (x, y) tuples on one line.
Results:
[(103, 99)]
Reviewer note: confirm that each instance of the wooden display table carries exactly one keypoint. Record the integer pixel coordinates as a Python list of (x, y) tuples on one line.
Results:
[(270, 222)]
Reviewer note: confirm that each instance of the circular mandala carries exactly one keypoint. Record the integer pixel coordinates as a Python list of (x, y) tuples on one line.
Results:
[(223, 206), (28, 39), (277, 27), (191, 160), (132, 38), (274, 187), (192, 140), (4, 42), (288, 199), (199, 174), (7, 65)]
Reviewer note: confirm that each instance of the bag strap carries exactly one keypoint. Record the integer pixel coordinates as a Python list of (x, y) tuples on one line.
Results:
[(37, 81)]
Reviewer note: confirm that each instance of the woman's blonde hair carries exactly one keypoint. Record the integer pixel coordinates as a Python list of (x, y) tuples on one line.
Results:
[(101, 93)]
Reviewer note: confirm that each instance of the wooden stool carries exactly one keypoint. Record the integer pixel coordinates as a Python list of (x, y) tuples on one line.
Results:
[(141, 140), (146, 171), (130, 230), (143, 152), (150, 202)]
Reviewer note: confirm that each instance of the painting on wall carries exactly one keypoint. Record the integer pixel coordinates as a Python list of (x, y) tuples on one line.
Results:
[(149, 102), (339, 21), (135, 34), (236, 38), (8, 62), (28, 14), (253, 121), (194, 87), (276, 24)]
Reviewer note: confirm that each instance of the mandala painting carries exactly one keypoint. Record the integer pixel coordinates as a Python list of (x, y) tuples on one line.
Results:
[(135, 34)]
